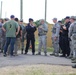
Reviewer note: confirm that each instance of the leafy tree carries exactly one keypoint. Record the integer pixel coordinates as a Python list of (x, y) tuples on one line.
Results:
[(38, 23)]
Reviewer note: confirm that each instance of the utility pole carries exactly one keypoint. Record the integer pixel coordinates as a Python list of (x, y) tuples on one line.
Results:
[(21, 9), (45, 9), (1, 10)]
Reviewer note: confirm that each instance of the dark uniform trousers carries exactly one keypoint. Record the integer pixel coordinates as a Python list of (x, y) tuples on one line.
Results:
[(31, 39), (60, 42), (65, 46)]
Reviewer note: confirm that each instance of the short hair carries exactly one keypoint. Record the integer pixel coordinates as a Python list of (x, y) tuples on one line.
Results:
[(16, 19), (59, 21), (54, 18), (42, 20)]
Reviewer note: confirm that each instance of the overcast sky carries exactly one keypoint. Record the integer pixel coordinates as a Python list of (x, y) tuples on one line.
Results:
[(35, 9)]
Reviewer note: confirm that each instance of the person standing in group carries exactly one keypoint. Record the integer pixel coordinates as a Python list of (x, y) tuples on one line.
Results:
[(30, 37), (4, 36), (10, 29), (1, 33), (65, 38), (55, 37), (22, 39), (18, 38), (42, 31), (72, 35), (60, 36)]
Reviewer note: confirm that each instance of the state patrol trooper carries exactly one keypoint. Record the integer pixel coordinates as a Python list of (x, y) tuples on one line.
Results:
[(72, 35), (65, 38), (42, 31), (55, 37), (30, 36)]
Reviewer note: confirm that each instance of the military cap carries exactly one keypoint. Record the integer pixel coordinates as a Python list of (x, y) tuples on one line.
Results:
[(54, 19), (73, 17), (67, 17)]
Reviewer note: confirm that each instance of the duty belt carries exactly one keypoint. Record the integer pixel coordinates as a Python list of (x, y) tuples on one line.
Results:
[(41, 34)]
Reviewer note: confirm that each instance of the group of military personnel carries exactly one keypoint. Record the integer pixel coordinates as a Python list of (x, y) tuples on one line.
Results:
[(64, 38), (11, 35), (13, 32)]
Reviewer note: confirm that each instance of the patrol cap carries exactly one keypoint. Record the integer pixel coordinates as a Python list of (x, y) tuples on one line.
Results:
[(73, 17), (6, 19), (12, 16), (30, 19), (67, 17), (21, 20), (54, 19)]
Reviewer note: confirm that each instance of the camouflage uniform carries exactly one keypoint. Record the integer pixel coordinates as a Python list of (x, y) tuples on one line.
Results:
[(55, 34), (1, 32), (22, 40), (43, 38), (17, 42), (72, 33)]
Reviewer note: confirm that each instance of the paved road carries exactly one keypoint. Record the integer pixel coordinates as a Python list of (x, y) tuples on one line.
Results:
[(33, 59)]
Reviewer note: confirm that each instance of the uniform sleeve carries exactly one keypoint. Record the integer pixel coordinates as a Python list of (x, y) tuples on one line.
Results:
[(57, 30), (45, 28), (24, 30), (70, 31), (4, 25)]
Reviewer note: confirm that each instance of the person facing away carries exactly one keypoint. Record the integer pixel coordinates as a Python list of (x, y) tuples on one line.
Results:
[(42, 31), (10, 29), (30, 37), (55, 37)]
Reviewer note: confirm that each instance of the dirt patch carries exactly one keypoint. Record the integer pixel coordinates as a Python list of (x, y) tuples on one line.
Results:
[(38, 70)]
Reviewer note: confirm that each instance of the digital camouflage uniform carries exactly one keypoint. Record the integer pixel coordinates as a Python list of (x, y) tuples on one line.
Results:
[(55, 34), (72, 35), (22, 40), (42, 38), (1, 32)]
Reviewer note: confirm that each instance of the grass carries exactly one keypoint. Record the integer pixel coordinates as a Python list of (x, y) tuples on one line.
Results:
[(49, 49), (38, 70)]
